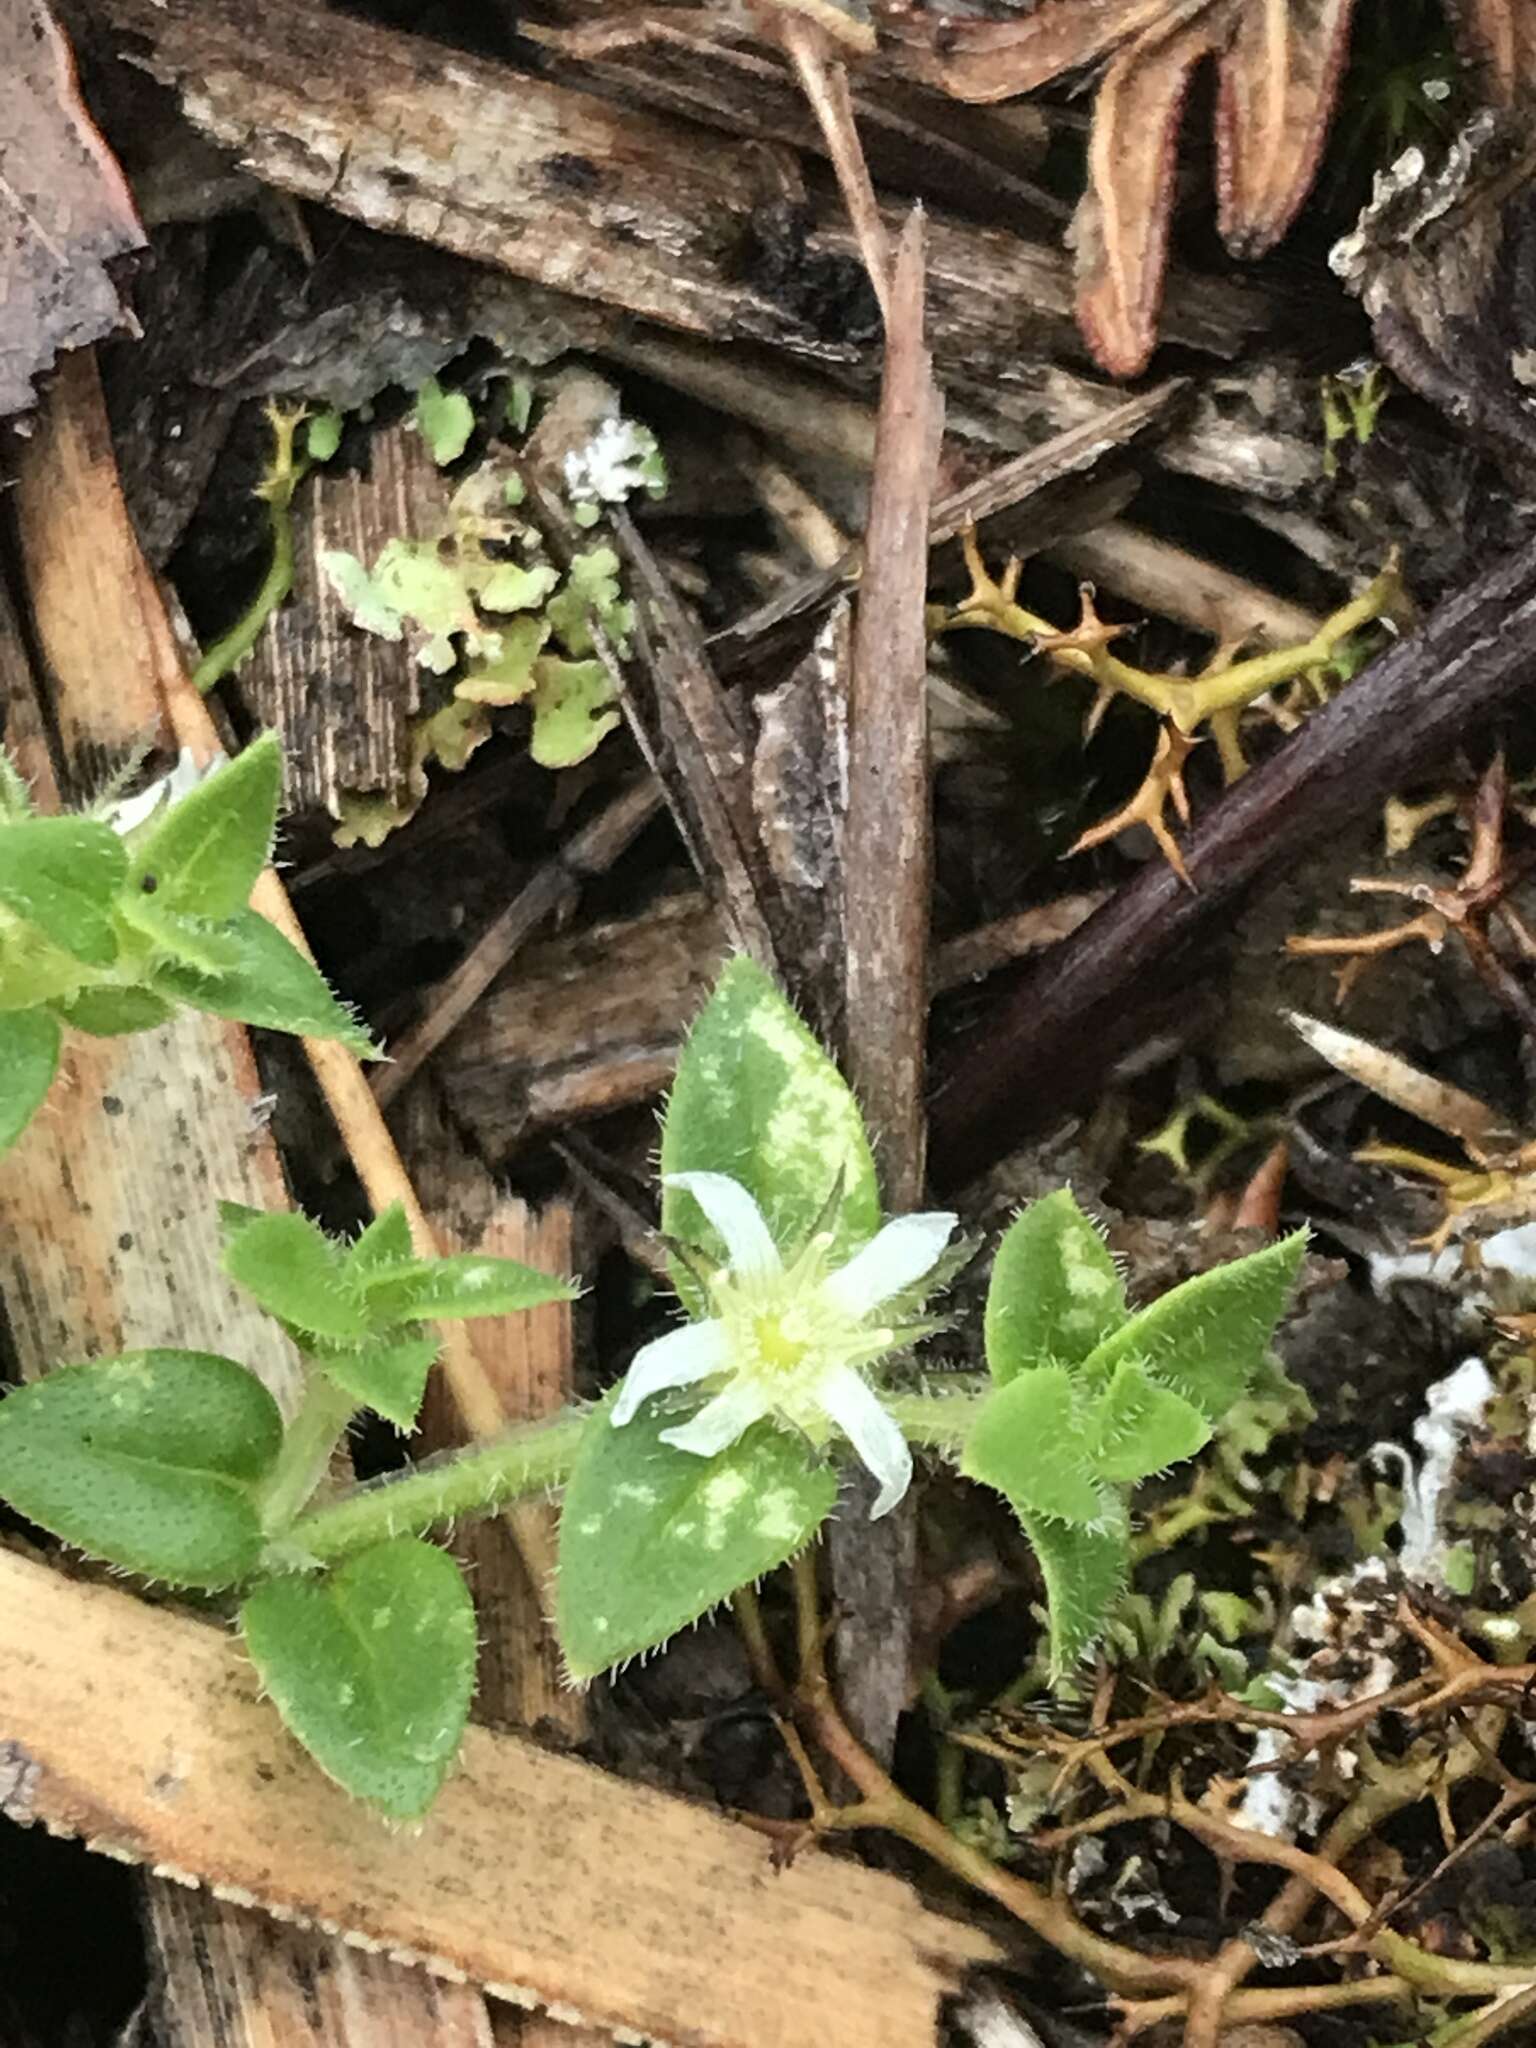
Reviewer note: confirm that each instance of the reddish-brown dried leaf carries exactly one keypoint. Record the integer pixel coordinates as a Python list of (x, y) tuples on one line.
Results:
[(1121, 227), (1499, 36), (65, 210), (996, 60), (1278, 82)]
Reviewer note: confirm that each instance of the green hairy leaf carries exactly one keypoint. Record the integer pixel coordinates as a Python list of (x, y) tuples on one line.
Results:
[(273, 985), (387, 1374), (1139, 1427), (384, 1244), (1207, 1338), (1055, 1292), (63, 875), (297, 1274), (192, 942), (372, 1666), (29, 1058), (445, 421), (467, 1284), (149, 1461), (757, 1098), (113, 1012), (1085, 1572), (202, 858), (1031, 1440), (651, 1538)]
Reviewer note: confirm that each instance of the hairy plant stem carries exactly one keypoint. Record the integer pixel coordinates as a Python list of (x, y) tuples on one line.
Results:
[(309, 1443), (477, 1481), (940, 1422)]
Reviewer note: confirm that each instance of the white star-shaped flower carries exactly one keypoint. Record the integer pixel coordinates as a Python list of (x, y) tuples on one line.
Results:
[(791, 1342)]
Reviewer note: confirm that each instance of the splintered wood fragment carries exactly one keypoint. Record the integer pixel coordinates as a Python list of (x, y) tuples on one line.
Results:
[(548, 894), (65, 209), (663, 220), (887, 863), (141, 1731), (702, 756), (590, 1023), (531, 1361), (343, 701), (109, 1230)]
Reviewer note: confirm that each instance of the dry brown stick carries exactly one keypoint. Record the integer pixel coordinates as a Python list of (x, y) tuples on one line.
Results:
[(552, 891), (1051, 1043), (887, 860), (887, 838), (824, 79), (703, 761)]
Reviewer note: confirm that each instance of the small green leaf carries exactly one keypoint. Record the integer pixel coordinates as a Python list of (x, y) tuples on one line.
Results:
[(193, 942), (149, 1461), (29, 1058), (445, 420), (519, 404), (651, 1538), (63, 875), (511, 589), (757, 1098), (113, 1012), (1139, 1427), (591, 586), (372, 1667), (370, 610), (1085, 1572), (387, 1374), (1207, 1338), (1030, 1440), (468, 1284), (292, 1268), (1055, 1291), (322, 434), (202, 858), (273, 985), (572, 710), (384, 1244)]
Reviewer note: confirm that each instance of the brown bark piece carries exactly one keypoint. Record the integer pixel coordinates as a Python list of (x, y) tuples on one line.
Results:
[(344, 700), (141, 1730), (554, 185), (588, 1023), (65, 208)]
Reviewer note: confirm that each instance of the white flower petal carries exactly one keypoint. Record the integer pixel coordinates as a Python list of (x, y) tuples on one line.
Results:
[(856, 1409), (719, 1422), (676, 1360), (892, 1261), (736, 1217)]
